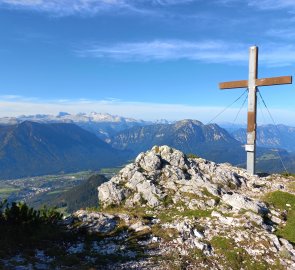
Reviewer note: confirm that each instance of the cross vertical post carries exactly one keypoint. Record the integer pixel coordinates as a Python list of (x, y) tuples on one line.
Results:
[(252, 107)]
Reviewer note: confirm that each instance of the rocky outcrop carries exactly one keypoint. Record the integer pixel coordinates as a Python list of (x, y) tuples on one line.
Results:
[(199, 206), (167, 174), (168, 211)]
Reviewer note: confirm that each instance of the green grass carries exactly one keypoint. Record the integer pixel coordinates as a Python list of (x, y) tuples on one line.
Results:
[(226, 247), (110, 170), (62, 210), (208, 194), (286, 174), (279, 199), (190, 155), (291, 186), (58, 191), (236, 258), (5, 192)]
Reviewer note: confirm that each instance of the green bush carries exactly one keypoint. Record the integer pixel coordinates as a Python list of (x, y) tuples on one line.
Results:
[(192, 155), (19, 214), (24, 228)]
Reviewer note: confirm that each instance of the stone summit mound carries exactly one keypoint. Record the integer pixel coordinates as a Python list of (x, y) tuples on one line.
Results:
[(174, 212), (169, 211)]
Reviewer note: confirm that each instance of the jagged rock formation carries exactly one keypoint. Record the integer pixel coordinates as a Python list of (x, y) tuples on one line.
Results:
[(169, 211), (164, 173), (198, 206)]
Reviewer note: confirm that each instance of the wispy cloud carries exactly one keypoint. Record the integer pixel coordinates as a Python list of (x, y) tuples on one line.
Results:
[(205, 51), (17, 98), (10, 97), (167, 2), (281, 33), (67, 7), (209, 51), (272, 4), (278, 55)]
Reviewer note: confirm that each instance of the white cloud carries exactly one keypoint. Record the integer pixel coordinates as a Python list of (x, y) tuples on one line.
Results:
[(278, 55), (67, 7), (170, 2), (272, 4), (208, 51), (10, 97), (281, 33), (271, 54)]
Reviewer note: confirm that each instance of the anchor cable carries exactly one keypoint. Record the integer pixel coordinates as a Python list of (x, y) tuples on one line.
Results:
[(216, 116), (261, 111), (237, 115), (276, 128), (240, 109)]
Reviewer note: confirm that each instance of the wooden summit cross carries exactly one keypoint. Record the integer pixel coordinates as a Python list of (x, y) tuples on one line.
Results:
[(252, 84)]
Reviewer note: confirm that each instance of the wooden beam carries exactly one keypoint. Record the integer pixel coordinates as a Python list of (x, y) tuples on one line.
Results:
[(233, 84), (252, 109), (274, 81), (259, 82)]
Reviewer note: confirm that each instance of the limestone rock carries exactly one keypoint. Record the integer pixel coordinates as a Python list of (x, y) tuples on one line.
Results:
[(183, 212), (95, 222), (164, 172), (139, 226), (111, 193), (190, 203), (239, 201), (149, 162)]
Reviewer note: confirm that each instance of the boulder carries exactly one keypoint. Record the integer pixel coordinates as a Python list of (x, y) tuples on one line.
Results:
[(238, 201)]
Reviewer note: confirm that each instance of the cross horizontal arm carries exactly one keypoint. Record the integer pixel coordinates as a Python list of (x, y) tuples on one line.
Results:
[(274, 81), (259, 82), (233, 84)]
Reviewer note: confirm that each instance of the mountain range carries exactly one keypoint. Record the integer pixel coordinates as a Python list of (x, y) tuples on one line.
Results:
[(189, 136), (271, 136), (101, 124), (64, 143), (31, 148), (107, 126)]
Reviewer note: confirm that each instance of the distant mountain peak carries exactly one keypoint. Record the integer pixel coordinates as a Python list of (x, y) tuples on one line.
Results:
[(61, 114), (189, 136), (186, 122)]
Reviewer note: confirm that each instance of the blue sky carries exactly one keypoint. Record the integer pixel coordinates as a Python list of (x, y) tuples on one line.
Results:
[(147, 59)]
